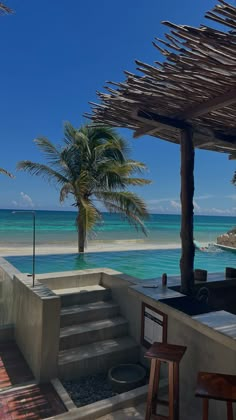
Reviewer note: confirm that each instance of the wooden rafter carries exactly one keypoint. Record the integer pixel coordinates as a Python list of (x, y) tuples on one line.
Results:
[(213, 104)]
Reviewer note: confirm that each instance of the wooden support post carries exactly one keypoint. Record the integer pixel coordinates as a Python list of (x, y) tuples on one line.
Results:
[(186, 196)]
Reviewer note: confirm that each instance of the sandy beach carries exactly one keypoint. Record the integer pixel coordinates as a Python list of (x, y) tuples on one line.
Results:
[(9, 249)]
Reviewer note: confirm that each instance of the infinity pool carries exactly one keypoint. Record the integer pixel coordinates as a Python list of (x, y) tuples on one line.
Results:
[(142, 264)]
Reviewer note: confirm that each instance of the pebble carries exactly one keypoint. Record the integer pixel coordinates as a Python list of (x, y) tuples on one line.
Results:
[(89, 389)]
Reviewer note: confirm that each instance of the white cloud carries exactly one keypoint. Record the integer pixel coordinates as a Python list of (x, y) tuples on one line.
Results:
[(175, 204), (160, 200), (232, 196), (204, 197), (196, 206), (27, 200), (15, 204), (220, 212)]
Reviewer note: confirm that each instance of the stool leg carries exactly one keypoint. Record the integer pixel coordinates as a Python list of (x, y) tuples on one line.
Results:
[(150, 390), (230, 415), (171, 392), (176, 391), (205, 409), (156, 385)]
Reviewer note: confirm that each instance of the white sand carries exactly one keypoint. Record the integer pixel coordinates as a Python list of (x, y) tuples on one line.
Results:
[(8, 249)]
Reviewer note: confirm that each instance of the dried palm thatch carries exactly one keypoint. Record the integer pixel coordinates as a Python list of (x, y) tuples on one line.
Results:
[(5, 10), (194, 86)]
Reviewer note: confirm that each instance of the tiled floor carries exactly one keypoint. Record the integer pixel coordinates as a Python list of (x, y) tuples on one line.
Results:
[(13, 368), (34, 402), (31, 402)]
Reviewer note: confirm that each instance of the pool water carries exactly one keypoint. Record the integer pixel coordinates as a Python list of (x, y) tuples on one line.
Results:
[(141, 264)]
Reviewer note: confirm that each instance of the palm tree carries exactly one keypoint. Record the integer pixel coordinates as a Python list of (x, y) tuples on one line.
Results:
[(92, 164), (3, 171), (4, 9)]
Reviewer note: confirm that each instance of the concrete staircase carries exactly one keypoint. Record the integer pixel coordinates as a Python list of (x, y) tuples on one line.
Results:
[(93, 336)]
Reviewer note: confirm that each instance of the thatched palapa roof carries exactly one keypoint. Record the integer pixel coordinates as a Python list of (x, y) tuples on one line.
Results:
[(194, 86)]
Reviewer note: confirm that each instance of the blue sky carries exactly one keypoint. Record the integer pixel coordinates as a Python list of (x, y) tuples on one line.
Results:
[(54, 56)]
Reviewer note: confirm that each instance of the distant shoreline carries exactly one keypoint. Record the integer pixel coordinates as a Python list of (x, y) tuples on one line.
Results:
[(129, 245), (126, 245)]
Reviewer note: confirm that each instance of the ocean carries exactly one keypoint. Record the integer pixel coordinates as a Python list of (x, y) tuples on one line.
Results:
[(58, 227)]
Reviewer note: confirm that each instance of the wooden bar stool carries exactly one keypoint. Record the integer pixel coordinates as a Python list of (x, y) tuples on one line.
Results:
[(216, 386), (172, 354)]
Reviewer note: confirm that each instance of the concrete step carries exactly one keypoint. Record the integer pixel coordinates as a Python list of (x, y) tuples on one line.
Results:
[(90, 332), (96, 357), (83, 295), (78, 314)]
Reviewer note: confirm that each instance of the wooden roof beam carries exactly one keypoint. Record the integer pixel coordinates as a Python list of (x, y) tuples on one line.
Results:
[(155, 122), (145, 131), (213, 104)]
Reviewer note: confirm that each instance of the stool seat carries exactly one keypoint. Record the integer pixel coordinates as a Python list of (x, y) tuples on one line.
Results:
[(171, 354), (216, 386), (166, 352)]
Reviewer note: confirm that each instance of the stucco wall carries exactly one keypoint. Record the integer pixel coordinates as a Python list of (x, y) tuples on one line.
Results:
[(204, 353), (37, 326), (6, 333), (37, 318), (64, 280), (7, 272), (130, 306)]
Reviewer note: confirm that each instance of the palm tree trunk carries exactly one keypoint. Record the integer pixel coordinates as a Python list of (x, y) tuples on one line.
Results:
[(81, 232)]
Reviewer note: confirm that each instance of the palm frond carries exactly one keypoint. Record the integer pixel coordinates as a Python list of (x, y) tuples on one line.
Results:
[(133, 219), (69, 133), (84, 183), (74, 136), (52, 154), (39, 169), (127, 204), (135, 166), (65, 191), (136, 181), (90, 214)]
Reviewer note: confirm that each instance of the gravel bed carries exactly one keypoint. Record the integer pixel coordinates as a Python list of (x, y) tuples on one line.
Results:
[(89, 389)]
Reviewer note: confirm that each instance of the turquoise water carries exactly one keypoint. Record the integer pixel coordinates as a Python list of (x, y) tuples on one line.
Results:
[(58, 227), (142, 264)]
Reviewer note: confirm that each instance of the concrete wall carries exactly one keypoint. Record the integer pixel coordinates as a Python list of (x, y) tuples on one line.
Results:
[(37, 327), (203, 354), (6, 333), (37, 318), (130, 306), (68, 279), (7, 272)]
